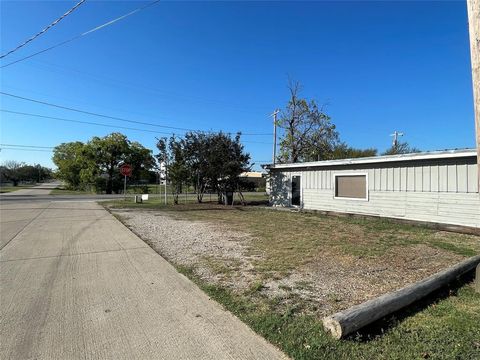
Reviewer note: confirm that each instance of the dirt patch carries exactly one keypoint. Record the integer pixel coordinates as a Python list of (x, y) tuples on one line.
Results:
[(217, 253), (329, 281)]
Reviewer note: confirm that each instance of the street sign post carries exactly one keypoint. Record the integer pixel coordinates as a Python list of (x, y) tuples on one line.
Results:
[(125, 170)]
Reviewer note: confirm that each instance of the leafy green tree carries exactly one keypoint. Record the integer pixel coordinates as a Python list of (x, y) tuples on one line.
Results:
[(72, 161), (309, 134), (401, 148), (173, 153), (97, 162), (343, 151), (108, 153), (212, 160), (141, 160), (11, 171), (34, 173), (226, 161), (196, 159)]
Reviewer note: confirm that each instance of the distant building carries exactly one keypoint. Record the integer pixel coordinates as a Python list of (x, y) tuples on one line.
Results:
[(253, 181), (439, 187), (251, 174)]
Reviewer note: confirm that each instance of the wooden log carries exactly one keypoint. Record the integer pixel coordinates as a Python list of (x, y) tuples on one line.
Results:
[(346, 322)]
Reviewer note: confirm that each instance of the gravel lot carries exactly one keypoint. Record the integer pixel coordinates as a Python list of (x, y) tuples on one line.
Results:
[(331, 282)]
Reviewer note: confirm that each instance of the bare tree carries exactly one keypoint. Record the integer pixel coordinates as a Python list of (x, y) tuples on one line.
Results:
[(308, 132)]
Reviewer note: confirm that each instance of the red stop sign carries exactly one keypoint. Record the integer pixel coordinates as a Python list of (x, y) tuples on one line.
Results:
[(126, 170)]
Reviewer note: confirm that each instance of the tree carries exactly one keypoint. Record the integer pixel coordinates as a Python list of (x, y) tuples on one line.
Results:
[(173, 153), (141, 160), (11, 171), (213, 161), (34, 173), (400, 148), (73, 165), (343, 151), (97, 162), (308, 132), (108, 153), (226, 161)]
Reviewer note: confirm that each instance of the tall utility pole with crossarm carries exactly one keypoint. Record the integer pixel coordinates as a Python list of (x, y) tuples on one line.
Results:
[(473, 7)]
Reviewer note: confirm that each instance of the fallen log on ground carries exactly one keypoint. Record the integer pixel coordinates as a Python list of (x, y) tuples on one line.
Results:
[(358, 316)]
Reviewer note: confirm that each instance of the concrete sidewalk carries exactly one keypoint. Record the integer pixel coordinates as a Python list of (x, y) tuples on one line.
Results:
[(77, 284)]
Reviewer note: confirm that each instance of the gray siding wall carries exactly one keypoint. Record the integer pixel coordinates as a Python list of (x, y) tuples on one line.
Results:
[(437, 192)]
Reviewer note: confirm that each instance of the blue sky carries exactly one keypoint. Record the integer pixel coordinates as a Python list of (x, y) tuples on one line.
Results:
[(380, 67)]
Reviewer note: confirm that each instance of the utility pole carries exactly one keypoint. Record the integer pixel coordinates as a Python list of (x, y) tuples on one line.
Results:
[(395, 135), (274, 153), (473, 7), (166, 163)]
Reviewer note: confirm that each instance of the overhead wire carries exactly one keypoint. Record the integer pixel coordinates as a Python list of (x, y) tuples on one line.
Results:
[(84, 122), (43, 31), (104, 125), (108, 23), (15, 148), (108, 116), (28, 146), (44, 148)]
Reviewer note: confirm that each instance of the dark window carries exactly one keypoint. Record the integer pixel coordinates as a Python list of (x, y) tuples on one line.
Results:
[(296, 190), (351, 186)]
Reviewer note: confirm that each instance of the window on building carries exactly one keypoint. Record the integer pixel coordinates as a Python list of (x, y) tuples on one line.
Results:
[(351, 186)]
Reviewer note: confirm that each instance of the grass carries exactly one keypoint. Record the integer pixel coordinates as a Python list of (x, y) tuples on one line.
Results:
[(185, 203), (292, 239), (445, 326), (448, 328), (7, 189)]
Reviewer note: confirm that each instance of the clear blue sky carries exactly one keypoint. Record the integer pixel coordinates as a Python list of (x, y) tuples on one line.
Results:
[(380, 66)]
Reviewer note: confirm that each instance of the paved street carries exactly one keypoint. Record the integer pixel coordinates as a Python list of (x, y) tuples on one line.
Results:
[(77, 284)]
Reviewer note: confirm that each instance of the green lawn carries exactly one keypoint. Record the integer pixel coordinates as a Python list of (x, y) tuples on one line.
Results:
[(6, 189), (158, 202), (445, 326)]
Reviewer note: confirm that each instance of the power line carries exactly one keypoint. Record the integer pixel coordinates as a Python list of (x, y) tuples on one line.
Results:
[(28, 146), (44, 30), (83, 122), (92, 113), (105, 116), (13, 148), (108, 23), (104, 125)]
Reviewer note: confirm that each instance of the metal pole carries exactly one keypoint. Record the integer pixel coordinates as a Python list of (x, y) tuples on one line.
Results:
[(473, 7), (125, 188), (274, 152), (165, 181)]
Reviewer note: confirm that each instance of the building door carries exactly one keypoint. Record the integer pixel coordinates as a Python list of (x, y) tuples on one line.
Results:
[(296, 188)]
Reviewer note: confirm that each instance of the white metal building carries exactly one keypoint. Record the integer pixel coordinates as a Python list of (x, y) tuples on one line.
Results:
[(439, 187)]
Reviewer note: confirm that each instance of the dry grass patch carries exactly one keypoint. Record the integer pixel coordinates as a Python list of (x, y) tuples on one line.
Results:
[(339, 262), (280, 272)]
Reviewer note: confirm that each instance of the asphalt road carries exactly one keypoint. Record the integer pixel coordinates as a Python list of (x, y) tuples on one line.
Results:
[(77, 284)]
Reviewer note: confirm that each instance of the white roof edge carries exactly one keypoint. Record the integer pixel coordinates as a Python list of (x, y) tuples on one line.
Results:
[(444, 154)]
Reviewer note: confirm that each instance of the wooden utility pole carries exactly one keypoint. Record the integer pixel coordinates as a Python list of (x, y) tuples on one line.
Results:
[(473, 7)]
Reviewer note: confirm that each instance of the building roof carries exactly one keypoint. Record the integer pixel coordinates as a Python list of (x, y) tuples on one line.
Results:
[(251, 174), (431, 155)]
